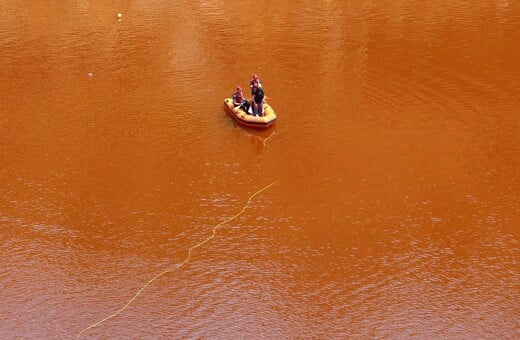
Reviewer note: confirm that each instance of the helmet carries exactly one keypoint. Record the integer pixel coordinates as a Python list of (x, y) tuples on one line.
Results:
[(239, 88)]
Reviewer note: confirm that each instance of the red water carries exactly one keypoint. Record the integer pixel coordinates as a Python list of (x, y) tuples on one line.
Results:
[(396, 157)]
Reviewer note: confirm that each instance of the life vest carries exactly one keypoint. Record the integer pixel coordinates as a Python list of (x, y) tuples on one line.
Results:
[(238, 97), (253, 80)]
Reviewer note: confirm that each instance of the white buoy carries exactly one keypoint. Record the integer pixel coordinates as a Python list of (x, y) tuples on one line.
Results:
[(119, 15)]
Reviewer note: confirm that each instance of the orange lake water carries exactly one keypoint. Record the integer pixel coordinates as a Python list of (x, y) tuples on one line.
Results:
[(396, 156)]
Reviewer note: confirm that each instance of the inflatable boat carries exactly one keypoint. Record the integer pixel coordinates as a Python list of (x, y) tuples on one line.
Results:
[(247, 119)]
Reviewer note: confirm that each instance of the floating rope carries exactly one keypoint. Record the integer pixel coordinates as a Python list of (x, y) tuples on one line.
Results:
[(176, 266)]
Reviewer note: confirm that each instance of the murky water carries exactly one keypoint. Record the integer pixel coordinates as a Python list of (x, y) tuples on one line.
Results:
[(396, 157)]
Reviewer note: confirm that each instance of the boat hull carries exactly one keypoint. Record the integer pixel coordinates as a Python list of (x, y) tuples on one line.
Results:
[(242, 118)]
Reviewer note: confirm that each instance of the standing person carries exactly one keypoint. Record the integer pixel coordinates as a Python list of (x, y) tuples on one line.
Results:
[(255, 78), (258, 99)]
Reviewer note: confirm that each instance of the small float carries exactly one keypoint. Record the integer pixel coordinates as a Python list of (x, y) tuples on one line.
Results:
[(246, 119)]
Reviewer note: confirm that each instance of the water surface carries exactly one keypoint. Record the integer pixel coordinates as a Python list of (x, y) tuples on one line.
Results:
[(396, 153)]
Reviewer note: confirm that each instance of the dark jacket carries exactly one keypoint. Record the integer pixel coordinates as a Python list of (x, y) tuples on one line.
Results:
[(258, 95)]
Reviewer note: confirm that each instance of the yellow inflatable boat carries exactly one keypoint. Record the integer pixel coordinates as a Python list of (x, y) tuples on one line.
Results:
[(249, 120)]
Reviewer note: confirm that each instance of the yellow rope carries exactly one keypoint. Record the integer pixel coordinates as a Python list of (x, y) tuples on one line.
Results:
[(178, 265)]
